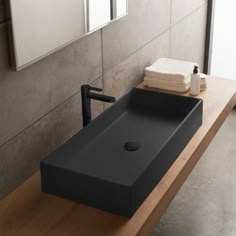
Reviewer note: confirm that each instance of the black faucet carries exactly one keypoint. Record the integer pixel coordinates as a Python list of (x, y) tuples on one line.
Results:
[(86, 96)]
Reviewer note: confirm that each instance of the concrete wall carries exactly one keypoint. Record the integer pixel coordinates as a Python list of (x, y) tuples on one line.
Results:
[(40, 106)]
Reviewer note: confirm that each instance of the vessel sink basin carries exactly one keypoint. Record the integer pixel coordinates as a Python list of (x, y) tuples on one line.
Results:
[(115, 162)]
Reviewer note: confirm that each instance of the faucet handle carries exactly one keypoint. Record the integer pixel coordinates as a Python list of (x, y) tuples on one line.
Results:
[(95, 89)]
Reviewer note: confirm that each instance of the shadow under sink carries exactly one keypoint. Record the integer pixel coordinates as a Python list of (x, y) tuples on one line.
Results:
[(117, 160)]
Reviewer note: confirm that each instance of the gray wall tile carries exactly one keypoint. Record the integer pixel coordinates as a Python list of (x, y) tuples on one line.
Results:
[(182, 8), (188, 37), (145, 21), (130, 72), (27, 95), (20, 158)]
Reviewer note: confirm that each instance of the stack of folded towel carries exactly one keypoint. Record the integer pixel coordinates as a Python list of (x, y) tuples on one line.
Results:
[(169, 74)]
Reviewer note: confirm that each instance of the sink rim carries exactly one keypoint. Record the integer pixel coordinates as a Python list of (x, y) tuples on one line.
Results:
[(100, 117)]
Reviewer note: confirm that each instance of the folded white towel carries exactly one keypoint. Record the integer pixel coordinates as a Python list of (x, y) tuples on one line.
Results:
[(170, 70), (184, 87), (172, 78), (167, 81), (155, 83)]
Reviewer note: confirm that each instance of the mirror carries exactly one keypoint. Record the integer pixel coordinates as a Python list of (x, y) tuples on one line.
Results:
[(99, 13), (42, 27), (119, 8), (103, 11)]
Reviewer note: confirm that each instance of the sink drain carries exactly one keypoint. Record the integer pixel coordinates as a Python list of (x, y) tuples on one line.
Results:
[(131, 146)]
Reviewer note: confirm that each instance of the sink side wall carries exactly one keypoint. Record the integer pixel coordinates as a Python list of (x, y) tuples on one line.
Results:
[(167, 156)]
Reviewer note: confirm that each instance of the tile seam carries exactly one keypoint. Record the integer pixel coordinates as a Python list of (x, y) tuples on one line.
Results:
[(46, 114)]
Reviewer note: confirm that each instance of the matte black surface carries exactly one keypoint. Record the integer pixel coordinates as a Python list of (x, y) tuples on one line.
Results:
[(86, 96), (95, 168)]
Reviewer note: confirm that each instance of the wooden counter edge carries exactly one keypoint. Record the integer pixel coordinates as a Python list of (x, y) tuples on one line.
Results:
[(153, 219), (147, 224)]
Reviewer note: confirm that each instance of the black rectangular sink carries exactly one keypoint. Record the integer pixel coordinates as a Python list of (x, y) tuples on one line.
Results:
[(116, 161)]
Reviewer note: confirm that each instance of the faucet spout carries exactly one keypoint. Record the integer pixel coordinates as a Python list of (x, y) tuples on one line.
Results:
[(86, 96), (101, 97)]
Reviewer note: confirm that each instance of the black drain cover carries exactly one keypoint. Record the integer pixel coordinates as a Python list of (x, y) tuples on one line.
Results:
[(132, 146)]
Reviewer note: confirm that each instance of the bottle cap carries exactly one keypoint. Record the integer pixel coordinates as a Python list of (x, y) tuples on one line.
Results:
[(195, 70)]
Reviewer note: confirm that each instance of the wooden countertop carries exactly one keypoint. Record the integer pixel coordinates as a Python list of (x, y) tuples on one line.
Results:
[(28, 212)]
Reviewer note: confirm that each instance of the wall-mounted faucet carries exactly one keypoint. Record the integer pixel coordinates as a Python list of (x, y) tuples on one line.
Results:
[(86, 96)]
